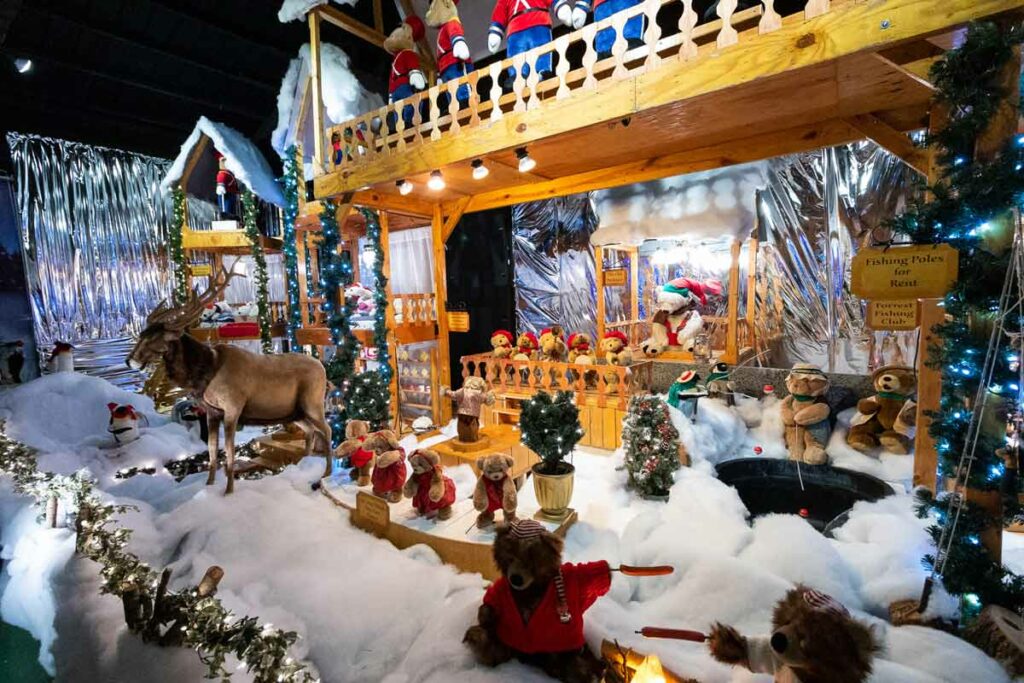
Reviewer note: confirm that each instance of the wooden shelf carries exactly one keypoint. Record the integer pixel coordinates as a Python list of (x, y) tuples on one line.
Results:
[(233, 242)]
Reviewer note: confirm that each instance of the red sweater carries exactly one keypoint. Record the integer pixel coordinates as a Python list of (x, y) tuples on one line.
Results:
[(391, 478), (422, 500), (360, 456), (227, 179), (517, 15), (494, 493), (448, 35), (405, 63), (584, 584)]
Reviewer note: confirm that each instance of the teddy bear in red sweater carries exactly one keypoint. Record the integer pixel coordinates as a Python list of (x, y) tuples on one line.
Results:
[(432, 493)]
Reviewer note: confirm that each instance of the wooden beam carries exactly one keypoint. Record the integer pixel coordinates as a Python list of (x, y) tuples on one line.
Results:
[(441, 296), (316, 76), (751, 316), (799, 139), (893, 141), (193, 159), (914, 60), (634, 283), (454, 214), (357, 28), (378, 16), (396, 203), (599, 288)]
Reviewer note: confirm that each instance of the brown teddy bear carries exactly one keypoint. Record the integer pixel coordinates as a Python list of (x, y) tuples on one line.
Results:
[(495, 489), (470, 398), (806, 415), (501, 343), (360, 454), (388, 476), (432, 493), (814, 640), (552, 344), (534, 611), (616, 348), (581, 350), (888, 417), (526, 346)]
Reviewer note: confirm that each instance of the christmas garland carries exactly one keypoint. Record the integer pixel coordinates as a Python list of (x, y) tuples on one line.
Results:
[(260, 260), (174, 236), (202, 622), (291, 181), (380, 299), (970, 198)]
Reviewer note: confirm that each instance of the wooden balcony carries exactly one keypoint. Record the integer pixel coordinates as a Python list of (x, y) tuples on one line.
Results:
[(750, 86)]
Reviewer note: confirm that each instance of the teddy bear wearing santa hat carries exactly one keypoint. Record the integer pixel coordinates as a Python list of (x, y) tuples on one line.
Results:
[(678, 321)]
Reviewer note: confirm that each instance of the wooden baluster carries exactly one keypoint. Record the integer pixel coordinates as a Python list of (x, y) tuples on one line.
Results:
[(435, 112), (727, 35), (532, 80), (620, 46), (518, 83), (474, 99), (396, 112), (687, 22), (495, 70), (417, 116), (626, 388), (815, 8), (379, 135), (770, 20), (589, 57), (453, 105), (562, 70), (652, 35)]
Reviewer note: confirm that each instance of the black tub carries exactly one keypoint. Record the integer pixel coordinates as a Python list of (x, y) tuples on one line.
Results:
[(772, 485)]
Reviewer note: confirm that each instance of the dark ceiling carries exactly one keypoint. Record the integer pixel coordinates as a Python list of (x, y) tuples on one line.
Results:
[(137, 74)]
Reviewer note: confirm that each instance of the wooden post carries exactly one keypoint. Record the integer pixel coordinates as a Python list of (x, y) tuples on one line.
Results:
[(599, 288), (315, 74), (441, 293), (731, 350), (385, 245), (929, 391)]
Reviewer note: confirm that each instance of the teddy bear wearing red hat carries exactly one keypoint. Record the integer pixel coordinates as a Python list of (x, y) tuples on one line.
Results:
[(678, 320), (552, 344), (502, 343), (581, 351), (616, 348), (406, 74), (526, 346)]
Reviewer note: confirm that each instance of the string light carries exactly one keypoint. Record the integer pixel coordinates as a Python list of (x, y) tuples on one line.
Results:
[(291, 182), (174, 237), (260, 260)]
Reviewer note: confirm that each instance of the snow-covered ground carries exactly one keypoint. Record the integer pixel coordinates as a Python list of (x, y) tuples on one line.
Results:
[(369, 612)]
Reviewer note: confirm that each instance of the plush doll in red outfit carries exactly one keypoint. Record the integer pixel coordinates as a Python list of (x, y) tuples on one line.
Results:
[(677, 321), (227, 189), (526, 24), (495, 489), (432, 493), (388, 476), (406, 73), (534, 611), (361, 448), (526, 346), (453, 60)]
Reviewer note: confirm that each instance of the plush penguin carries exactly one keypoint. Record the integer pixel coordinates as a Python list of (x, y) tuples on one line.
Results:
[(124, 423), (62, 359)]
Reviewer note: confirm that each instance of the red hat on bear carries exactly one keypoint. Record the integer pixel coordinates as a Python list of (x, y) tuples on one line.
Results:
[(574, 338), (416, 24), (532, 337), (617, 334), (503, 333)]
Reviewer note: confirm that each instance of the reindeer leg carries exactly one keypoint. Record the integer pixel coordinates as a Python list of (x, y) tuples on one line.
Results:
[(230, 423), (213, 427), (319, 427)]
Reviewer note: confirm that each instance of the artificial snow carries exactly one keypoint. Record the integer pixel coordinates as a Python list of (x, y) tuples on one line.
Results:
[(366, 611), (293, 10), (241, 158)]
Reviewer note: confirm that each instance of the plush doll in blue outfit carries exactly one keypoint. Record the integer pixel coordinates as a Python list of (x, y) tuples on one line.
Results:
[(526, 24), (605, 39)]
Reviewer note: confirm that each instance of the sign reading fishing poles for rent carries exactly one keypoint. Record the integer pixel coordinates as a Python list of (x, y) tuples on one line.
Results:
[(915, 272)]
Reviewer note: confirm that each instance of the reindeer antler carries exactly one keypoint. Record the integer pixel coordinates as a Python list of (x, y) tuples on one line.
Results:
[(180, 317)]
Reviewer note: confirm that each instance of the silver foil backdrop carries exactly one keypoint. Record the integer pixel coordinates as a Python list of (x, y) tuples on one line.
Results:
[(93, 230)]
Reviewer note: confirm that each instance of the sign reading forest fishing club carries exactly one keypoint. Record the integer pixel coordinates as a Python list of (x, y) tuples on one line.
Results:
[(916, 272)]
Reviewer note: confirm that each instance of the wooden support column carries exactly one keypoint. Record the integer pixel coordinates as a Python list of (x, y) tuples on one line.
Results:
[(599, 288), (385, 245), (752, 294), (316, 83), (731, 332), (441, 295), (929, 391)]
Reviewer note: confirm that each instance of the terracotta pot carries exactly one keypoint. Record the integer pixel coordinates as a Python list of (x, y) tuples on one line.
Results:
[(554, 491)]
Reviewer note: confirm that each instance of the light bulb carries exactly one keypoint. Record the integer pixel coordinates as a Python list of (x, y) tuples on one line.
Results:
[(479, 170), (526, 162), (23, 65), (404, 187), (436, 182)]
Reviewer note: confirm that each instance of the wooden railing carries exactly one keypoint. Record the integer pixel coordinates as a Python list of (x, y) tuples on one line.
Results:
[(437, 111), (604, 385), (415, 309)]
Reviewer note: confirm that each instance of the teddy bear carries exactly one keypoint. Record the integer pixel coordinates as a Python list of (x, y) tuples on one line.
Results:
[(814, 640), (432, 493), (406, 75), (453, 58), (388, 476), (806, 415), (361, 448), (501, 343), (887, 418), (495, 489), (677, 321), (552, 344), (581, 350), (526, 346), (534, 611), (470, 398), (528, 23), (605, 39), (616, 348)]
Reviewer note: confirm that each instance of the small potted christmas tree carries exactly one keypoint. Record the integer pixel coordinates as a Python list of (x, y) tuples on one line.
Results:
[(652, 447), (551, 428)]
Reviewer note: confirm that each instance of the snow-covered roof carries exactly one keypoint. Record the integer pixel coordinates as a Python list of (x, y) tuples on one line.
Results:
[(242, 159), (705, 205), (292, 10), (344, 96)]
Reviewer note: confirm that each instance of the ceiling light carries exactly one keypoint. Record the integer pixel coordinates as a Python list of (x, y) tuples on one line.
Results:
[(526, 162), (23, 65), (404, 187), (479, 170), (436, 182)]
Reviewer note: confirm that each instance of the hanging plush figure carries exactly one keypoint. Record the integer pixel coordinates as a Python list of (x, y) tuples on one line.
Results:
[(677, 321), (406, 75), (124, 423), (62, 359), (227, 189), (605, 39), (453, 60), (526, 24)]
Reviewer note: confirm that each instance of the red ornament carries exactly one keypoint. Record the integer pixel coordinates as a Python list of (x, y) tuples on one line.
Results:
[(769, 389), (805, 513)]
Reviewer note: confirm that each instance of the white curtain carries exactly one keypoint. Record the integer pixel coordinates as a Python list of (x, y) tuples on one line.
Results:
[(412, 261)]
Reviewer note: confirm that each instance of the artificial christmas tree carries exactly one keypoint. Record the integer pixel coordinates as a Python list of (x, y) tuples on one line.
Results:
[(652, 446), (369, 398)]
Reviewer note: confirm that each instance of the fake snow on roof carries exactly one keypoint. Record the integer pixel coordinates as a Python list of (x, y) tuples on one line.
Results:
[(242, 159), (697, 206), (344, 96), (292, 10)]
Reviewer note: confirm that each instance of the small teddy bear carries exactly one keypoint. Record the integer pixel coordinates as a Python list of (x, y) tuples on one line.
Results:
[(406, 76), (813, 638), (806, 415), (616, 348), (581, 351), (470, 398), (888, 417), (388, 476), (361, 447), (495, 489), (432, 493), (501, 343), (526, 346), (552, 344)]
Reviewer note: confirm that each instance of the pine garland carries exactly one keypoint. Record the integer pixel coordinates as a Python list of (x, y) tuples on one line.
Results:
[(174, 237), (291, 181), (380, 299), (369, 398), (260, 261), (550, 427), (204, 623), (970, 198), (652, 445)]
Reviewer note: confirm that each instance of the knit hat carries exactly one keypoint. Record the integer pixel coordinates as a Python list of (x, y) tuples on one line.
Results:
[(503, 333), (579, 337), (617, 334), (522, 529), (416, 24), (807, 369), (531, 337), (822, 601)]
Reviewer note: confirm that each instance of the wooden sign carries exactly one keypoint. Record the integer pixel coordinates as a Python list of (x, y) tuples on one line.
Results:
[(925, 272), (373, 514), (458, 321), (200, 269), (893, 315), (615, 277)]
